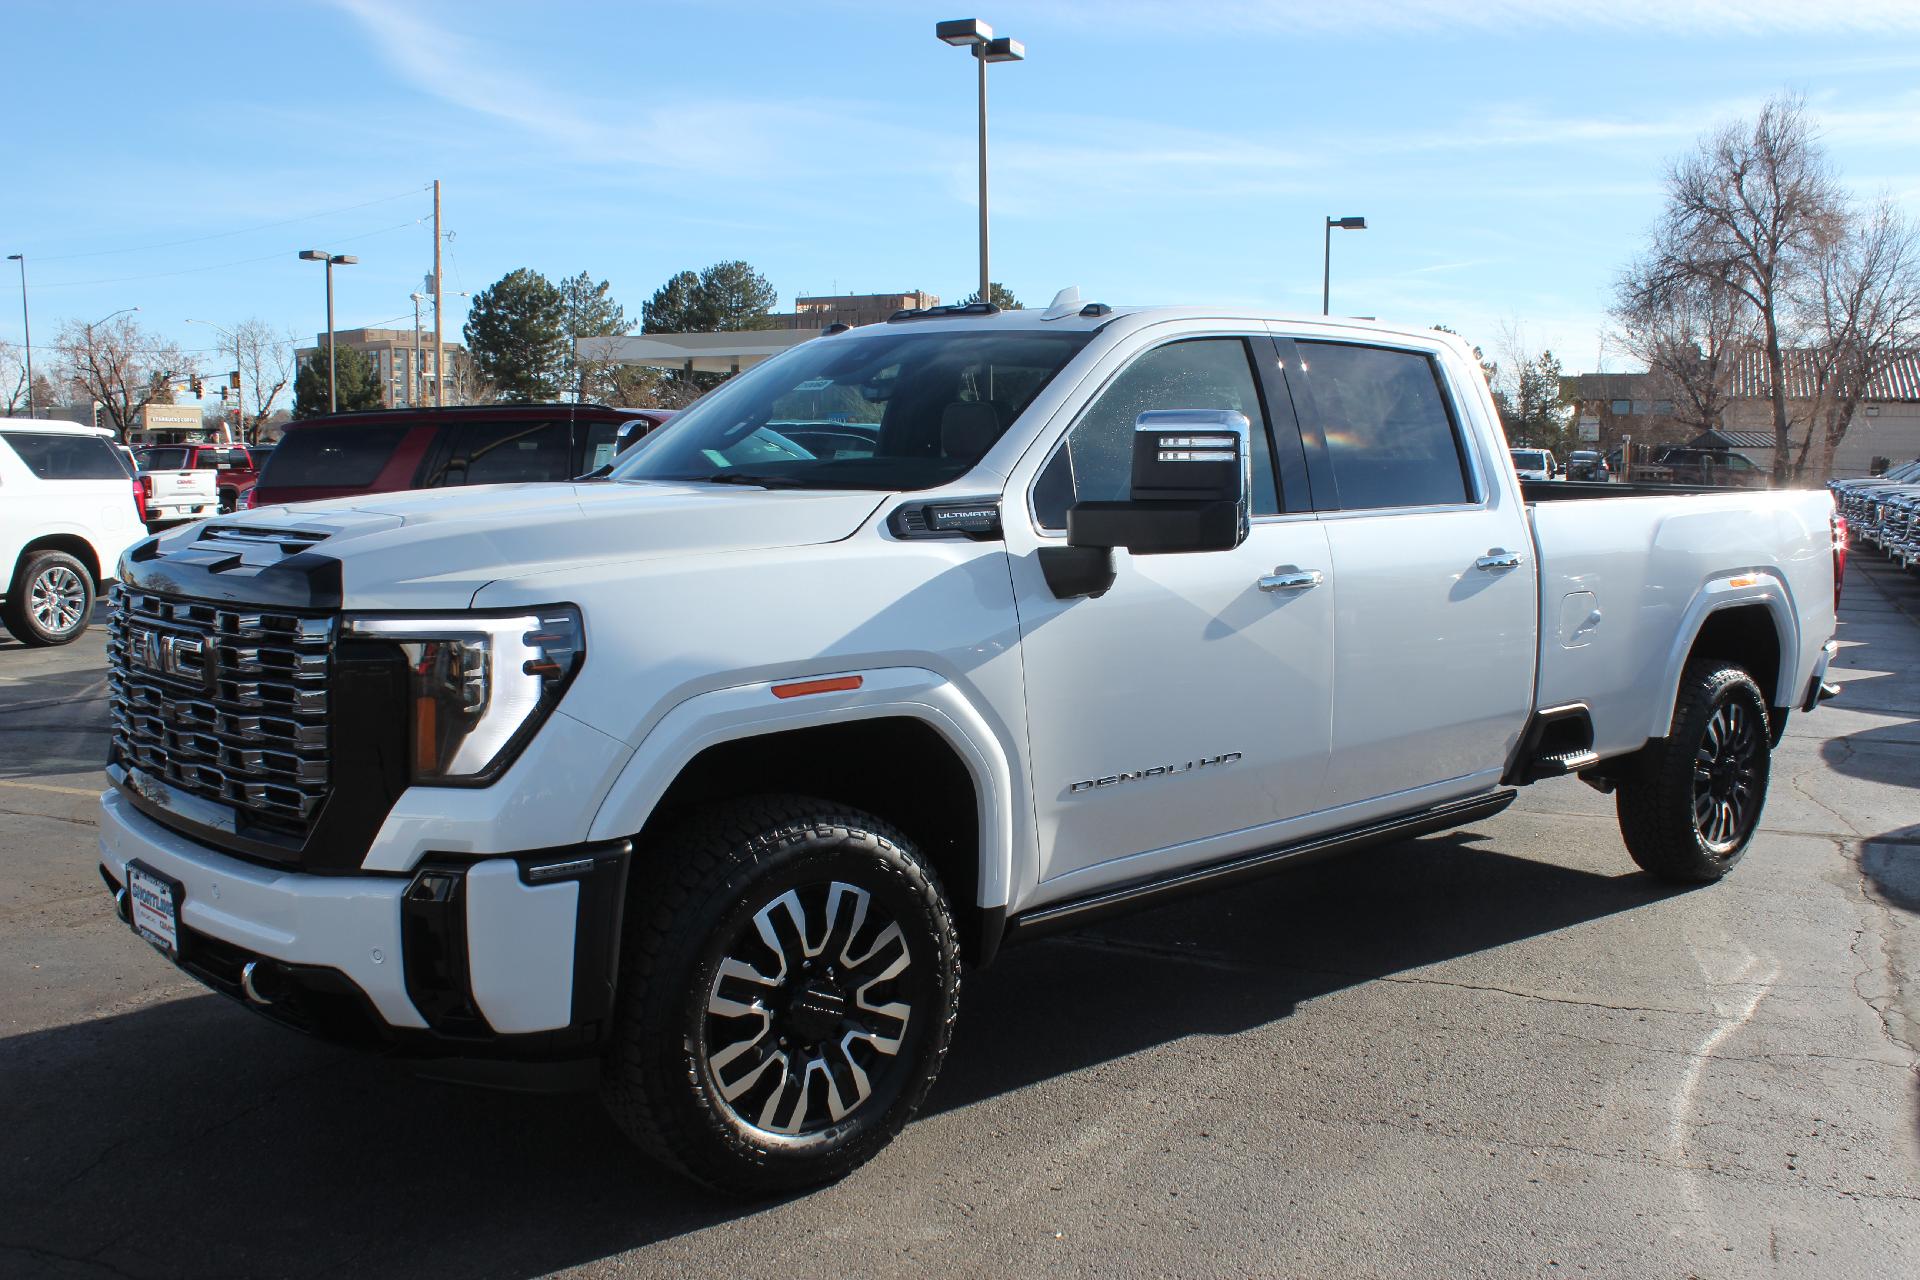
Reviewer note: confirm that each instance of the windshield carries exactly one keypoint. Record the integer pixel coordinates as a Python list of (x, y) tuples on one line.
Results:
[(902, 411), (1529, 459), (161, 459)]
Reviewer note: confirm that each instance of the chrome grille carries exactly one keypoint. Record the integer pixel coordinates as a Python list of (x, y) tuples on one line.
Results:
[(226, 702)]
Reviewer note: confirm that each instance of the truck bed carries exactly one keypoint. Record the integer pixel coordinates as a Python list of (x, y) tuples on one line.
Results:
[(1624, 587)]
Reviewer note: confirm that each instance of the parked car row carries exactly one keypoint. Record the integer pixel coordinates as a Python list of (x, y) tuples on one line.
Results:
[(1884, 511)]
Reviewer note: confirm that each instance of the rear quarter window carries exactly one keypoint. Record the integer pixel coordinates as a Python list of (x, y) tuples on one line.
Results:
[(344, 455), (62, 457)]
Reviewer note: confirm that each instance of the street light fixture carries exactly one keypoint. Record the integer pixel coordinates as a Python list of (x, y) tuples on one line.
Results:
[(332, 260), (971, 33), (25, 324), (1326, 259)]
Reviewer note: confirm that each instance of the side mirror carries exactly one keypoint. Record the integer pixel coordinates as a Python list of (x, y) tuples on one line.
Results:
[(1192, 472)]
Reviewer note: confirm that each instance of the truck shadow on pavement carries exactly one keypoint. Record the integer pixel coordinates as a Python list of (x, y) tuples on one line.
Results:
[(190, 1138)]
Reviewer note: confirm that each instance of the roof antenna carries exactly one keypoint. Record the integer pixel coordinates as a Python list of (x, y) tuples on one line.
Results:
[(1065, 303)]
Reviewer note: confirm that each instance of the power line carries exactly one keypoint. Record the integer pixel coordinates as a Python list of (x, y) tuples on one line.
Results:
[(223, 235), (216, 266)]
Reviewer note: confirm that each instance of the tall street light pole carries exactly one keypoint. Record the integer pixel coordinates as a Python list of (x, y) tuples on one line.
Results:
[(973, 34), (26, 324), (1326, 257), (332, 260)]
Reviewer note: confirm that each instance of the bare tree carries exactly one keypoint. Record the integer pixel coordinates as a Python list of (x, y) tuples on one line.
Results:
[(13, 381), (266, 371), (465, 383), (1753, 206), (1863, 312), (1689, 329), (121, 366)]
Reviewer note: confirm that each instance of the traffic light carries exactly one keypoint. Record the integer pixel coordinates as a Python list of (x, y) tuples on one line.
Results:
[(233, 379), (195, 384)]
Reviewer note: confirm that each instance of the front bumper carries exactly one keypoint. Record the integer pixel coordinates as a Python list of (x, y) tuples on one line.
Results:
[(509, 956)]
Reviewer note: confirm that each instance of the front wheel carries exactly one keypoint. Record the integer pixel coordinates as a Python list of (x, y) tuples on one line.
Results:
[(1691, 801), (788, 993), (50, 601)]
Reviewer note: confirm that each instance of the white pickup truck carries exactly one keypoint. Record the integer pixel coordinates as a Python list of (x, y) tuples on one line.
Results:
[(177, 487), (913, 642)]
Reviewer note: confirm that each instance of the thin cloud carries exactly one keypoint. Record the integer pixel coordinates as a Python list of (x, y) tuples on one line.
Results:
[(1372, 18)]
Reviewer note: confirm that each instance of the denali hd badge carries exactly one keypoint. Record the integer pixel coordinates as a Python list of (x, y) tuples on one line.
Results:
[(1158, 771)]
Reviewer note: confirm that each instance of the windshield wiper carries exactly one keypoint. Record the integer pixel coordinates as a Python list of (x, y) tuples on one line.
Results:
[(741, 477)]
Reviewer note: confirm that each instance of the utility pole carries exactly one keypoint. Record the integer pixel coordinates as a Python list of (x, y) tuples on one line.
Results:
[(439, 332), (27, 325), (419, 383)]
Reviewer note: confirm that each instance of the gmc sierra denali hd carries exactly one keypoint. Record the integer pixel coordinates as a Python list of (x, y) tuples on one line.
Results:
[(712, 774)]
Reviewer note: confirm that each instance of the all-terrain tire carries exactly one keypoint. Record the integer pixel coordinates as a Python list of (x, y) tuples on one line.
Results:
[(1690, 802), (741, 892), (49, 601)]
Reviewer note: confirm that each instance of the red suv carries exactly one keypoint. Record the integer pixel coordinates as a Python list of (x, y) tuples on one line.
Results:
[(388, 449)]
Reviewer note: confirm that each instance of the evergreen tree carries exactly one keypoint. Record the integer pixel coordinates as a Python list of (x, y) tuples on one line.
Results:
[(589, 311), (998, 294), (358, 385), (517, 333)]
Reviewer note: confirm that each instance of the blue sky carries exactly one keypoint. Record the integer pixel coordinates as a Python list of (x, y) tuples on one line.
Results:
[(1507, 155)]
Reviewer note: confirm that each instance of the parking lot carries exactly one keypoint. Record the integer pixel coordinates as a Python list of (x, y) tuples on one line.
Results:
[(1496, 1052)]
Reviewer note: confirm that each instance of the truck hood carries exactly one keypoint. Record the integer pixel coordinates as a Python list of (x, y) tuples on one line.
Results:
[(436, 548)]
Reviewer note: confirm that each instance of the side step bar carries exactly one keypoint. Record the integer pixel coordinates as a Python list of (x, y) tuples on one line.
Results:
[(1059, 916)]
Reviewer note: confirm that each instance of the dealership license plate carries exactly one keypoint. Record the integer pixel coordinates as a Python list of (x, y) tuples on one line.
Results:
[(156, 907)]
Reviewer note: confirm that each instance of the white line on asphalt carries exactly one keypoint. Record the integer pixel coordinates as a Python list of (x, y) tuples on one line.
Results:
[(1683, 1101)]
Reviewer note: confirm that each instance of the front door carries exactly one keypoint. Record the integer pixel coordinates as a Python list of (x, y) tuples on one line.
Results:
[(1188, 702)]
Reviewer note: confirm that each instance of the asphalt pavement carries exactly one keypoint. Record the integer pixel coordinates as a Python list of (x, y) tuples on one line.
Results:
[(1497, 1052)]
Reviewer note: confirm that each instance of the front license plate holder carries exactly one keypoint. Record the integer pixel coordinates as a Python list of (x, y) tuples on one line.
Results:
[(155, 901)]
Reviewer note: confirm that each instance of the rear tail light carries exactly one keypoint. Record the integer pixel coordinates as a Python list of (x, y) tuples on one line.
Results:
[(140, 499), (246, 500), (1839, 526)]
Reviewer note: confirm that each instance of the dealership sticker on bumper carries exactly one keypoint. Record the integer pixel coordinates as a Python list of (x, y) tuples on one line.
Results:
[(156, 907)]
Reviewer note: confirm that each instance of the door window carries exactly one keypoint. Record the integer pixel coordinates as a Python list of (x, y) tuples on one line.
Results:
[(598, 447), (508, 453), (335, 455), (52, 457), (1391, 440), (1096, 464)]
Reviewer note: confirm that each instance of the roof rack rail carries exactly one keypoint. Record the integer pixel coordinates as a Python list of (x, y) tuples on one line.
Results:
[(950, 310)]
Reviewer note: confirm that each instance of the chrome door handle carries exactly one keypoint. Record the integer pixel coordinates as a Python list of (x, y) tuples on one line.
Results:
[(1498, 559), (1287, 578)]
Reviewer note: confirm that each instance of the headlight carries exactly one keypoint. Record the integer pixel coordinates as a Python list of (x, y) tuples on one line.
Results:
[(479, 684)]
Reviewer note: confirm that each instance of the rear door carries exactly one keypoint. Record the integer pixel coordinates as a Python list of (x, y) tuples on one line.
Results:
[(1434, 585)]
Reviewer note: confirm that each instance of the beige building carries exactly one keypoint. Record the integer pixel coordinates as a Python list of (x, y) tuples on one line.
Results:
[(850, 309), (1886, 423), (392, 354)]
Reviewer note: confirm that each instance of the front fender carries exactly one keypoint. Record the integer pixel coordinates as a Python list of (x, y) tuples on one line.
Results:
[(748, 710)]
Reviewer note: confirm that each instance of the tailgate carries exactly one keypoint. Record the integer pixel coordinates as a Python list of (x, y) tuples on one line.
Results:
[(191, 487)]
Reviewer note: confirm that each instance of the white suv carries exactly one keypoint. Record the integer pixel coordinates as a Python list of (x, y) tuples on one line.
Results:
[(68, 509)]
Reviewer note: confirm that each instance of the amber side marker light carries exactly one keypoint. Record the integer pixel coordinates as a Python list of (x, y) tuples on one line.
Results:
[(801, 688)]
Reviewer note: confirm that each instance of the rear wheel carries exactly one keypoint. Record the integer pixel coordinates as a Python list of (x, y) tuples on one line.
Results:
[(1690, 802), (786, 999), (50, 601)]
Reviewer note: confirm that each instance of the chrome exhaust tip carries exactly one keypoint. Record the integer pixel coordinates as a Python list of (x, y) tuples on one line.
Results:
[(122, 907), (257, 982)]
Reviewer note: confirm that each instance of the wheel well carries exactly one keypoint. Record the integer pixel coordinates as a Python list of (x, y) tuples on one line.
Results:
[(73, 544), (1744, 635), (897, 768)]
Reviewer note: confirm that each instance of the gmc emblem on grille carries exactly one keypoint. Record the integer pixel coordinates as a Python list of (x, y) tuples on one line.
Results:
[(182, 657)]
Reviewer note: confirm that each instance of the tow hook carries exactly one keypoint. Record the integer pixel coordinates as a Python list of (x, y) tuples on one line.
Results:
[(260, 981)]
